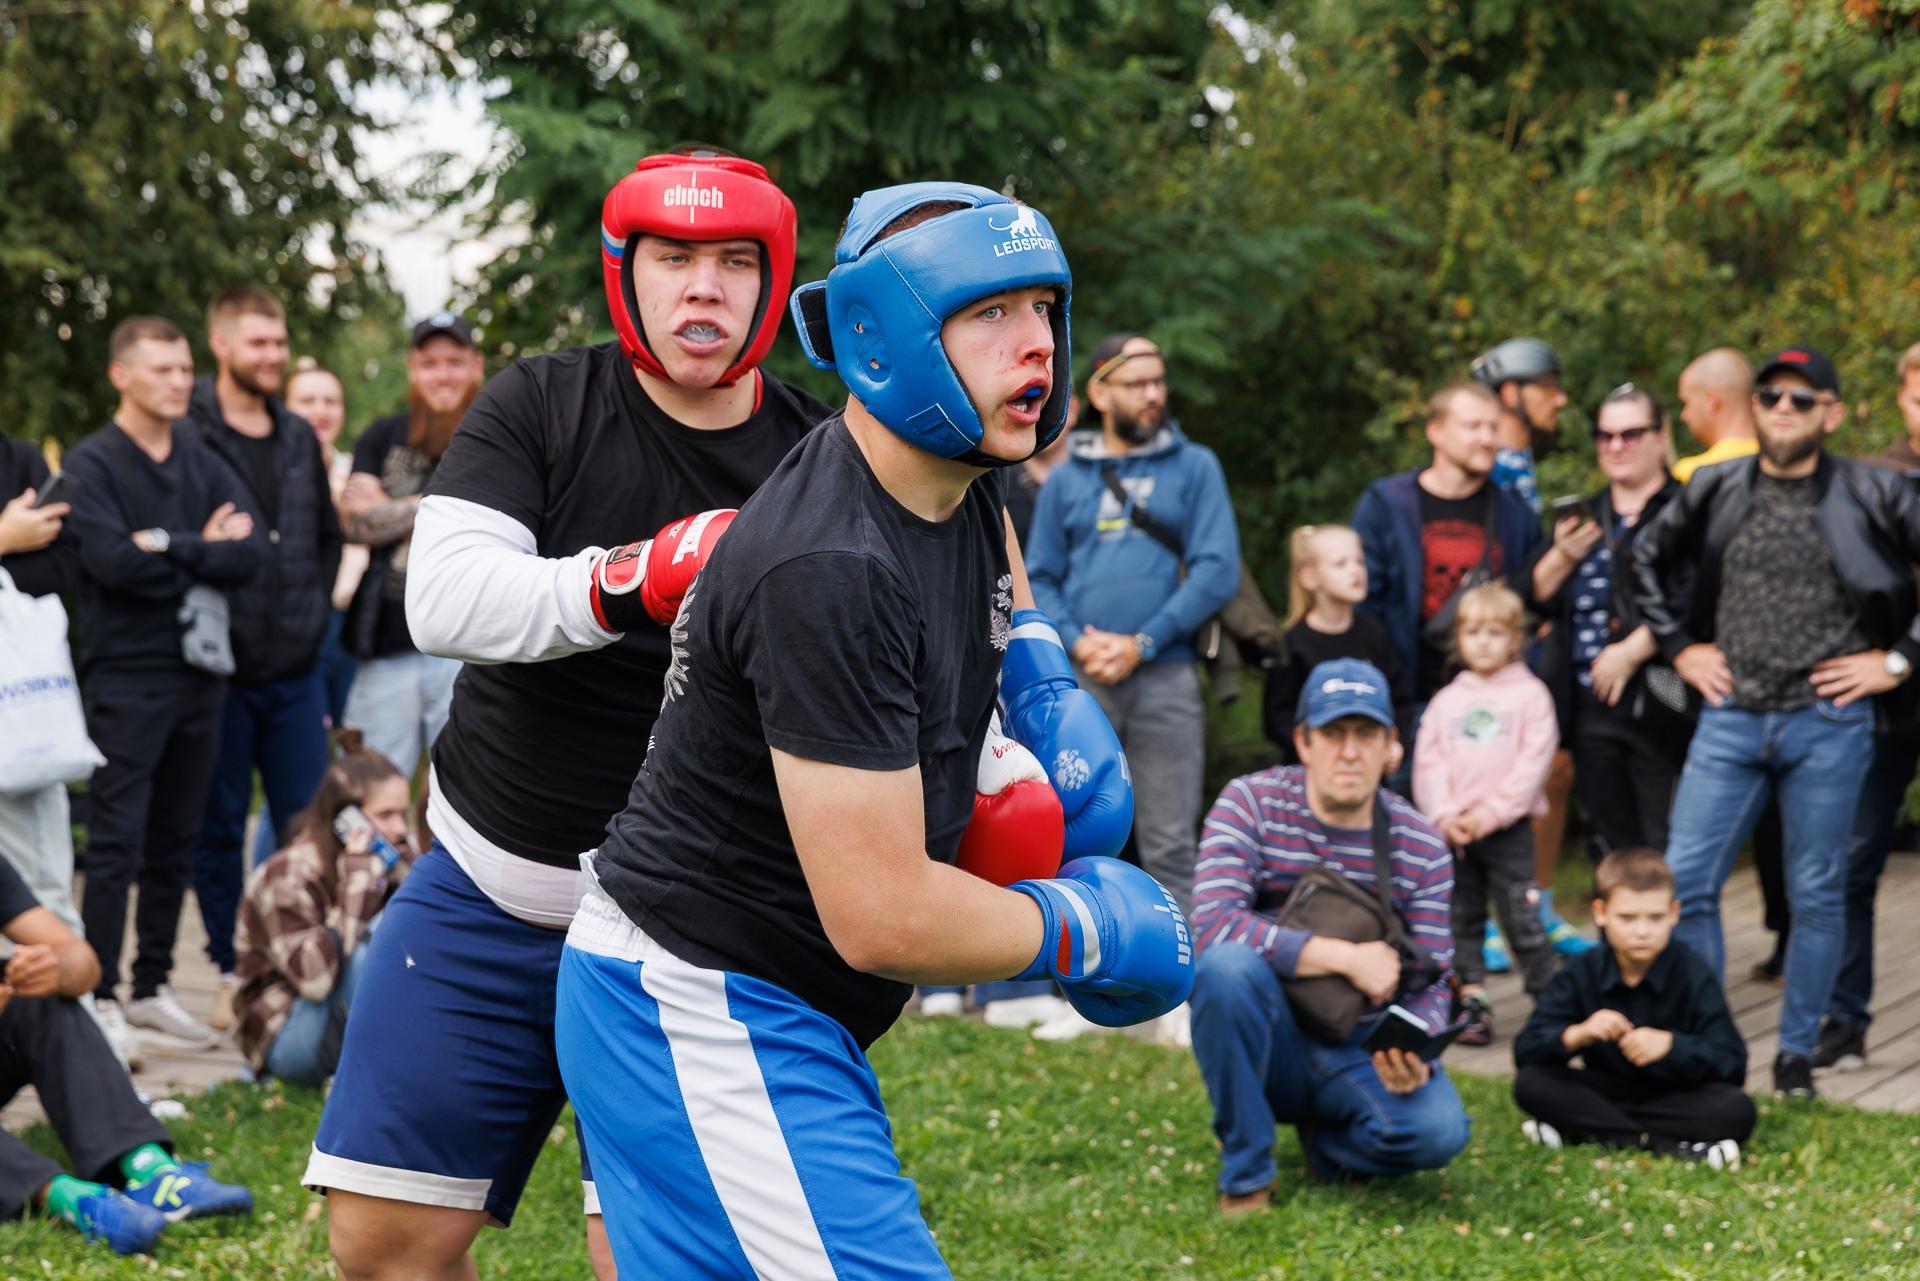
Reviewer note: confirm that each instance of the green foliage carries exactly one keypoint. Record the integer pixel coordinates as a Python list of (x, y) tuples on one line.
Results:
[(151, 153), (1095, 1160)]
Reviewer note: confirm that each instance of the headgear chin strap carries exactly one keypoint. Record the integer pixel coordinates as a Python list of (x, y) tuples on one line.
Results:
[(682, 197), (876, 317)]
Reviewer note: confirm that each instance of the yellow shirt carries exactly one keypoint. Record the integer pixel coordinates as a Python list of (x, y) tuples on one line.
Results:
[(1720, 453)]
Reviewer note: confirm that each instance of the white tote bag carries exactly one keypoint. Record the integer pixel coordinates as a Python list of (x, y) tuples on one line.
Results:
[(43, 731)]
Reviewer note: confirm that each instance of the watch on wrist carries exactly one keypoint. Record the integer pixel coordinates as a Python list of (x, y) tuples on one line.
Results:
[(159, 538), (1896, 665), (1144, 643)]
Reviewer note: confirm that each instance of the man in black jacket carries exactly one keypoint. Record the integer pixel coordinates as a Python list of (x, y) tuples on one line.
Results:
[(164, 527), (276, 707), (1802, 613)]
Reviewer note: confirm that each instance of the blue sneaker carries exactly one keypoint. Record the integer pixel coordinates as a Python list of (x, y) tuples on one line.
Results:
[(1564, 938), (123, 1223), (1494, 951), (189, 1192)]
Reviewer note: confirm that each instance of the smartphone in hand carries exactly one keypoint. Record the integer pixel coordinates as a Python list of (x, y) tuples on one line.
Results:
[(357, 832), (58, 489), (1571, 505), (1398, 1029)]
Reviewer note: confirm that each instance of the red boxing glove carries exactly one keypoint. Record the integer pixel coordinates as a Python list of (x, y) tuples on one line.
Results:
[(1018, 830), (646, 580)]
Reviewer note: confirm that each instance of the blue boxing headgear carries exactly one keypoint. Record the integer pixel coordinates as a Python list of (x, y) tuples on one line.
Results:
[(876, 317)]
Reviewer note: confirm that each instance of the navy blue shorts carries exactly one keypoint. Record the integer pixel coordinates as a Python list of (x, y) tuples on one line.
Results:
[(738, 1131), (448, 1084)]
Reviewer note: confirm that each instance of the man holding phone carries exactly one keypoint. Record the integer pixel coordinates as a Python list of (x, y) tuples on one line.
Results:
[(1359, 1113)]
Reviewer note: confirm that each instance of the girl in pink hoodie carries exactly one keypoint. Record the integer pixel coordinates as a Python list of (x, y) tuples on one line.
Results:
[(1479, 764)]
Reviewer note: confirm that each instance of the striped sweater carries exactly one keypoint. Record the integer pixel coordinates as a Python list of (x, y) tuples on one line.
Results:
[(1261, 837)]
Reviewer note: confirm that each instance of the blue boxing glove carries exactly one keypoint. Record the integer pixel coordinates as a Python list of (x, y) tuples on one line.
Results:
[(1060, 723), (1114, 940)]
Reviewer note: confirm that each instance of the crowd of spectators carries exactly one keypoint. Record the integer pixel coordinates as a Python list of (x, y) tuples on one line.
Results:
[(1702, 652)]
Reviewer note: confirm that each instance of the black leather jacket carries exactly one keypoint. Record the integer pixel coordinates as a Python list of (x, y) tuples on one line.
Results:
[(1868, 515)]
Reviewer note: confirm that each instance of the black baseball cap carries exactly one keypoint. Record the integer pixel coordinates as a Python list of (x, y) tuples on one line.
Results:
[(448, 323), (1809, 362)]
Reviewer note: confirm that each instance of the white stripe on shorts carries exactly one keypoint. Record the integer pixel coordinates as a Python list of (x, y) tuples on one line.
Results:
[(724, 1094)]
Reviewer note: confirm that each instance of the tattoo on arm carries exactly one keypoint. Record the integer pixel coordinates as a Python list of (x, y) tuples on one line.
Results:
[(382, 523)]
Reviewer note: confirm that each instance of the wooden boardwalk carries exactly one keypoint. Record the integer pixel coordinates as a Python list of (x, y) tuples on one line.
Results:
[(1889, 1083)]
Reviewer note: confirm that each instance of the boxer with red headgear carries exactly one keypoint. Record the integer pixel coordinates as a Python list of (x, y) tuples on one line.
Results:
[(521, 566)]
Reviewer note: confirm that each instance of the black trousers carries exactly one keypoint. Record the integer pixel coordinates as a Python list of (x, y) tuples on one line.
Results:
[(1624, 778), (1595, 1107), (1499, 866), (1768, 850), (160, 734), (55, 1046)]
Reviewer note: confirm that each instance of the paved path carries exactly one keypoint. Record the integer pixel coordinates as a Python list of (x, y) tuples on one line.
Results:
[(1890, 1082)]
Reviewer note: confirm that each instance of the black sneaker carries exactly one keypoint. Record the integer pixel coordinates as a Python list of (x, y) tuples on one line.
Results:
[(1479, 1016), (1723, 1154), (1843, 1047), (1793, 1077)]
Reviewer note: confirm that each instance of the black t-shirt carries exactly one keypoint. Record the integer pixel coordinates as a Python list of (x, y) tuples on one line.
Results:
[(835, 625), (1306, 649), (538, 755), (383, 453), (263, 472), (1453, 538), (15, 897)]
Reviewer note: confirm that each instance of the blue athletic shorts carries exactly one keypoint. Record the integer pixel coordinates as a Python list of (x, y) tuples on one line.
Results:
[(448, 1086), (737, 1131)]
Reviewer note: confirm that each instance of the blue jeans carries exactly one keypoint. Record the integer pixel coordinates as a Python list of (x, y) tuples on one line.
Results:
[(1262, 1070), (1895, 757), (280, 728), (295, 1053), (399, 703), (1811, 758)]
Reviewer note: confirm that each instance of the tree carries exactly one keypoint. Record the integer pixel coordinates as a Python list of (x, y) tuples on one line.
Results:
[(152, 152)]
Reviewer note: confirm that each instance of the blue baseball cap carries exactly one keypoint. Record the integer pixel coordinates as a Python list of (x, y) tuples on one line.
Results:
[(1344, 687)]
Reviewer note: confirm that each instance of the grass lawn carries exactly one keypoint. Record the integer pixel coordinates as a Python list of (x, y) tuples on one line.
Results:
[(1093, 1160)]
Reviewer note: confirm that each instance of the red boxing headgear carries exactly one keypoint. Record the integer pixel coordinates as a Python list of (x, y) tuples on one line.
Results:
[(695, 197)]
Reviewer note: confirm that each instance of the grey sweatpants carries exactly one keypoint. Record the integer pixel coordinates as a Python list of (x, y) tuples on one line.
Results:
[(1159, 715)]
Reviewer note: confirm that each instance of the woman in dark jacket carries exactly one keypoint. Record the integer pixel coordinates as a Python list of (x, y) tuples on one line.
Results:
[(1626, 713)]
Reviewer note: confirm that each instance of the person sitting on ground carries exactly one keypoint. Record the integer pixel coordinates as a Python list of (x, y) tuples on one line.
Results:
[(1357, 1113), (48, 1040), (1479, 773), (1663, 1061), (310, 912), (1326, 583)]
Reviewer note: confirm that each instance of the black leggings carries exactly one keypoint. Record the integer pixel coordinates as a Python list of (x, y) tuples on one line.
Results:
[(1594, 1107)]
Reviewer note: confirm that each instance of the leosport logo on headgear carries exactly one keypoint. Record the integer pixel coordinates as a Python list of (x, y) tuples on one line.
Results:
[(1025, 233), (693, 197)]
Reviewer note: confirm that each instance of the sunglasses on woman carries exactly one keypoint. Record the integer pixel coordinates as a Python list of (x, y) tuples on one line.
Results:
[(1625, 437), (1802, 400)]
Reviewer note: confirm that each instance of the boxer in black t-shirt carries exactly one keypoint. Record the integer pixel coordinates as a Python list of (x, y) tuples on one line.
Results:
[(517, 567), (784, 869)]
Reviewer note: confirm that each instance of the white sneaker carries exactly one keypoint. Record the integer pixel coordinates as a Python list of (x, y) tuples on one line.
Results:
[(1542, 1133), (940, 1004), (1064, 1026), (1175, 1028), (1024, 1011), (1723, 1155), (120, 1038), (162, 1013), (220, 1018)]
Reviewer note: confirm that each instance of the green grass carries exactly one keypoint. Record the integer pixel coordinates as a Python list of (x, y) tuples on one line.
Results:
[(1094, 1160)]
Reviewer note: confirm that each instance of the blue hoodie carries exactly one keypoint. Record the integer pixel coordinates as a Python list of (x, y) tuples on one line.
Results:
[(1090, 566)]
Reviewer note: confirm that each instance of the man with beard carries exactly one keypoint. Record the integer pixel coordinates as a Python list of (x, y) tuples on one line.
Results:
[(276, 704), (522, 566), (1133, 547), (1802, 616), (400, 696), (1524, 375)]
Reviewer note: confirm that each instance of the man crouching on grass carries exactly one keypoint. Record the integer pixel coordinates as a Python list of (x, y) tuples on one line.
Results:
[(1664, 1063), (1358, 1113)]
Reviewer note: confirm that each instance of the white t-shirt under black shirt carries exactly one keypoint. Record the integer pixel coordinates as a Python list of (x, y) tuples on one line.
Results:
[(536, 756), (837, 626)]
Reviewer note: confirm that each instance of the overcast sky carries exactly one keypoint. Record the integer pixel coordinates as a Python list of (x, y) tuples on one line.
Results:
[(426, 260)]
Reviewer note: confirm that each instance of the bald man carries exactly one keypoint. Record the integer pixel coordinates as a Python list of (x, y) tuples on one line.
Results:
[(1716, 393)]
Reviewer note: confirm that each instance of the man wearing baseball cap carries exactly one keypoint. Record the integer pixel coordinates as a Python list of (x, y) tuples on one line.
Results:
[(1801, 621), (1358, 1114), (400, 696)]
